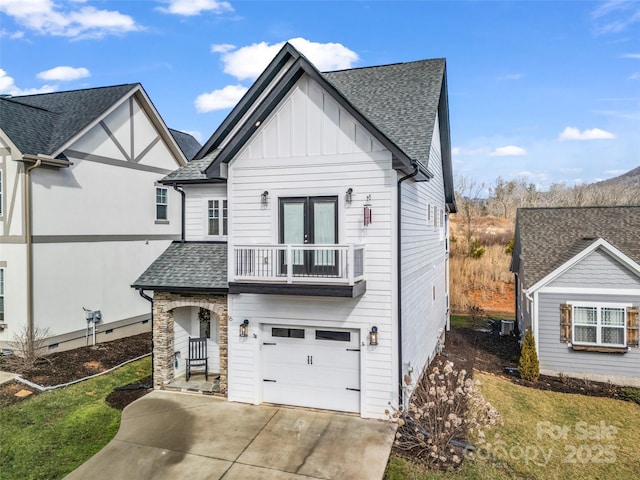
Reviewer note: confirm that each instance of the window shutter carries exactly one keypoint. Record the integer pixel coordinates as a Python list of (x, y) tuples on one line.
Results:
[(565, 323), (632, 327)]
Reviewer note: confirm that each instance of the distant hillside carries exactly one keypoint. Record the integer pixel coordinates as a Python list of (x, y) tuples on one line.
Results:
[(631, 177)]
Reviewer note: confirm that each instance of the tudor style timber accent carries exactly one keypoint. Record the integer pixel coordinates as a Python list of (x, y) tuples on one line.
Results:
[(164, 305)]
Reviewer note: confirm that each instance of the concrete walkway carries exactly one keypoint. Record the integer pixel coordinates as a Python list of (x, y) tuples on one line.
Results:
[(172, 435), (6, 377)]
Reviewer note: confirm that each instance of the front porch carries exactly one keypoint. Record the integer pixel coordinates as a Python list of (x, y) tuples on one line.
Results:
[(178, 317), (197, 383)]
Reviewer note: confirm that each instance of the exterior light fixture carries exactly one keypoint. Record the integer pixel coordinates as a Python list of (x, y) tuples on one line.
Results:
[(348, 195), (264, 198), (373, 336), (244, 328)]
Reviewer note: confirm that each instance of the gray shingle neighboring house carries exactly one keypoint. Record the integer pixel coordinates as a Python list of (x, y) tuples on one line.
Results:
[(577, 275)]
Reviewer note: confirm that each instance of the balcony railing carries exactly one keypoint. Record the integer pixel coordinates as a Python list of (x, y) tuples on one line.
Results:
[(309, 263)]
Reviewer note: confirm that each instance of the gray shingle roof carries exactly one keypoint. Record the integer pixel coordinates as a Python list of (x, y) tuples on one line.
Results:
[(549, 237), (192, 171), (43, 123), (187, 143), (196, 266), (401, 100)]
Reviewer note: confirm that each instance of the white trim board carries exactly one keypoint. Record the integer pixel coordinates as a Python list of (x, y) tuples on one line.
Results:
[(591, 291)]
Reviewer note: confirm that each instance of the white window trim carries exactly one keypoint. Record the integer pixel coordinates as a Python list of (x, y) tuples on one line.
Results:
[(206, 217), (166, 204), (599, 306)]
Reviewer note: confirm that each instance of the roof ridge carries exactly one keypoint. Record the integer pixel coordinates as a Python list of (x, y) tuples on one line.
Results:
[(385, 65), (74, 90), (15, 100), (578, 207)]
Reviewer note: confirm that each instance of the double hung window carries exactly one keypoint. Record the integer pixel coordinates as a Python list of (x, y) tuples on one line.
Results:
[(217, 218)]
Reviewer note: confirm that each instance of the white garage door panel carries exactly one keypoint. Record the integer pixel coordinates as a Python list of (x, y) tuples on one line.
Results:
[(312, 372)]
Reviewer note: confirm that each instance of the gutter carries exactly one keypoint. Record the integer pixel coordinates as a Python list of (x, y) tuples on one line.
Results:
[(416, 170), (181, 191), (29, 241), (147, 297)]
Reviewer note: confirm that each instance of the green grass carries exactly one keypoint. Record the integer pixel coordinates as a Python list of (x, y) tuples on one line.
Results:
[(49, 435), (464, 321), (536, 421)]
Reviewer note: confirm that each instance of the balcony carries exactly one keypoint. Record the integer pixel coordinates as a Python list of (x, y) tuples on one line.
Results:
[(311, 269)]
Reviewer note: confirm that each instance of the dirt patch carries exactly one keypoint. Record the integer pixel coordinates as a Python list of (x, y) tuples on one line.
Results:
[(63, 367), (499, 300)]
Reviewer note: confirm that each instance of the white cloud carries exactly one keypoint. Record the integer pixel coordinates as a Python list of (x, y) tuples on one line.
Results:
[(635, 76), (8, 86), (615, 16), (246, 63), (615, 172), (511, 76), (630, 55), (572, 133), (469, 152), (508, 151), (46, 18), (64, 74), (220, 99), (190, 8), (222, 48), (12, 35)]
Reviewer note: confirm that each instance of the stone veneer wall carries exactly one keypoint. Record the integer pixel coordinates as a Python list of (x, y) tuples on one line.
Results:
[(163, 328)]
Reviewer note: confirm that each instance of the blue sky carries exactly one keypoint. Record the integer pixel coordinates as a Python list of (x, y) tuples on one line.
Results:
[(545, 91)]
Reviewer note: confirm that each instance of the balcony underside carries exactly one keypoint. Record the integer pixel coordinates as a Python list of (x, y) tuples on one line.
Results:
[(305, 289)]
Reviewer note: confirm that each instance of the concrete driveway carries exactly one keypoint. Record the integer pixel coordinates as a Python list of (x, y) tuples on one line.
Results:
[(172, 435)]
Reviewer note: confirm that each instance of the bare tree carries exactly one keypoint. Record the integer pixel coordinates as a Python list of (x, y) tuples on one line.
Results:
[(469, 206), (504, 193)]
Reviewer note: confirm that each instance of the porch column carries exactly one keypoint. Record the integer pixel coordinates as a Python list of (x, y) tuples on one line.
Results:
[(163, 345)]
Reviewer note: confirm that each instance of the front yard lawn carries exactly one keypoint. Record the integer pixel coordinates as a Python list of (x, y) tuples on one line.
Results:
[(547, 435), (51, 434)]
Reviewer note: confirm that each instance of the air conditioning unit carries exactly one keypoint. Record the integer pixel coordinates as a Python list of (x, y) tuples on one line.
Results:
[(506, 327)]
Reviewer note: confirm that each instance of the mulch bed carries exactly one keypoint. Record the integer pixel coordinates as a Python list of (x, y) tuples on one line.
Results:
[(63, 367), (487, 351)]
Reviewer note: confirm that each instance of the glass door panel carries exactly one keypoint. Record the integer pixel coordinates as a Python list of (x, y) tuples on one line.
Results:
[(309, 220), (324, 213)]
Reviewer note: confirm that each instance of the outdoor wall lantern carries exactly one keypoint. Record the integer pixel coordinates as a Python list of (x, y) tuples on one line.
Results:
[(348, 195), (373, 336), (264, 198), (244, 328)]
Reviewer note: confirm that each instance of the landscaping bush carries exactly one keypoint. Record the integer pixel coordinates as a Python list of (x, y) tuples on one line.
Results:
[(528, 366), (446, 408)]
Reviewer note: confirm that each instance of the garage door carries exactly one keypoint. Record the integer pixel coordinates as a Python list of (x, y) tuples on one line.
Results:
[(311, 367)]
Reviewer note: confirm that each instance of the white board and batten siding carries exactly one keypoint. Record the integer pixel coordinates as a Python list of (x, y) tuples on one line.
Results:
[(310, 146), (598, 278), (424, 312)]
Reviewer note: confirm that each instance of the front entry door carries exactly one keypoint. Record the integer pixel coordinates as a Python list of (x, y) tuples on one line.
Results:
[(310, 220)]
